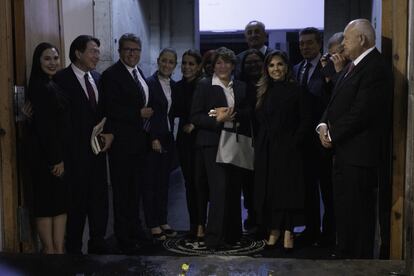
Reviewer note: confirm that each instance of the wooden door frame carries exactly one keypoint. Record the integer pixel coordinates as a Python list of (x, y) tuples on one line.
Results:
[(8, 168), (395, 40)]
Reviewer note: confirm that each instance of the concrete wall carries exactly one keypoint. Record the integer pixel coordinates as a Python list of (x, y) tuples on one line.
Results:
[(77, 19), (338, 13), (153, 21)]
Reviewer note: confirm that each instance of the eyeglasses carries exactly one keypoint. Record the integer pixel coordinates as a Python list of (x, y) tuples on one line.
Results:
[(132, 50)]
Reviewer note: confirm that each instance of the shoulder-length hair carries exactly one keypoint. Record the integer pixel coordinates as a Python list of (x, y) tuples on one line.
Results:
[(265, 79)]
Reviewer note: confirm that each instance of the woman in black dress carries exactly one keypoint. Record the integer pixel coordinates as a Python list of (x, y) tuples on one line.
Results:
[(284, 115), (48, 145), (186, 134)]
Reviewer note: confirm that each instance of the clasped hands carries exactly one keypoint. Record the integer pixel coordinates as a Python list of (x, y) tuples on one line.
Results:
[(324, 137), (223, 114)]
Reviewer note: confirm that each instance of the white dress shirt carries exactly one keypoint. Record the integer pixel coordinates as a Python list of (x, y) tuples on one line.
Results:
[(228, 92), (80, 75), (141, 80), (166, 88)]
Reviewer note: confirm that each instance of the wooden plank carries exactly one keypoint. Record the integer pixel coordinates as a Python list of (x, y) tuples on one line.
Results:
[(20, 77), (409, 173), (399, 54), (8, 170)]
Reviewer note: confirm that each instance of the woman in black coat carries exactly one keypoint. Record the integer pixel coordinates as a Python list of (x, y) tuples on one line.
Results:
[(219, 102), (49, 163), (159, 162), (186, 134), (284, 115)]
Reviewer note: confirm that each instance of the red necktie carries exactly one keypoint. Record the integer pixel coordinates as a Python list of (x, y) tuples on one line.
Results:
[(91, 92)]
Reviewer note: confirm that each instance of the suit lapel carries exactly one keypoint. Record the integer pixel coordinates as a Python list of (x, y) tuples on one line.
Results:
[(343, 78), (159, 88), (77, 86)]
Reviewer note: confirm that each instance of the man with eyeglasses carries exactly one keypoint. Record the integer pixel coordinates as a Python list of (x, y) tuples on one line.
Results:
[(88, 184), (126, 98)]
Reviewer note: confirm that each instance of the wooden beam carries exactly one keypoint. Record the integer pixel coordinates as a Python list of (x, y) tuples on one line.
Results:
[(395, 18), (8, 171)]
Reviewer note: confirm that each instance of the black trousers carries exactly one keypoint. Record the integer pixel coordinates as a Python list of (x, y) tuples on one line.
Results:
[(354, 197), (224, 215), (155, 189), (127, 175), (190, 170), (248, 191), (88, 198), (318, 182)]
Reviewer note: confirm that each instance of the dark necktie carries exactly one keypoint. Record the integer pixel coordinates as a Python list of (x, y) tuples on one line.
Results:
[(140, 88), (90, 91), (305, 75), (350, 68)]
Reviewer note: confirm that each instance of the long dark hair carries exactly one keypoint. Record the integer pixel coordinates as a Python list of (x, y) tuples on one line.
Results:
[(265, 79), (37, 75)]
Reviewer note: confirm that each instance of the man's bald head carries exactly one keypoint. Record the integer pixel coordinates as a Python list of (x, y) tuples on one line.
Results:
[(359, 35)]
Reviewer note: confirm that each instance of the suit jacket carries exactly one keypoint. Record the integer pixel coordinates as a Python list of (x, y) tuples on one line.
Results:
[(159, 121), (83, 119), (358, 111), (123, 102), (207, 97), (182, 100), (316, 87)]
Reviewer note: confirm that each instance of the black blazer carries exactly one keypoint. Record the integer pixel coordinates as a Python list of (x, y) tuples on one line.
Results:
[(359, 110), (83, 119), (207, 97), (123, 102), (182, 99), (159, 121), (316, 88)]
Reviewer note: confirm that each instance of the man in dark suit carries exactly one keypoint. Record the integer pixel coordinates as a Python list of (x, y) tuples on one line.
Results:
[(88, 190), (353, 125), (126, 98), (256, 37), (317, 160)]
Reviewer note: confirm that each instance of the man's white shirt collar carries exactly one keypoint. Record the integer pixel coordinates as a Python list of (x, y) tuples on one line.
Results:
[(361, 56)]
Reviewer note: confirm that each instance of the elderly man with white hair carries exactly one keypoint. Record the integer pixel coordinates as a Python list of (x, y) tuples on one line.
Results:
[(353, 125)]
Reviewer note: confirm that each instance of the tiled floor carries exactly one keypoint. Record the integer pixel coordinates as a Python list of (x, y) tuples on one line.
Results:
[(36, 264)]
